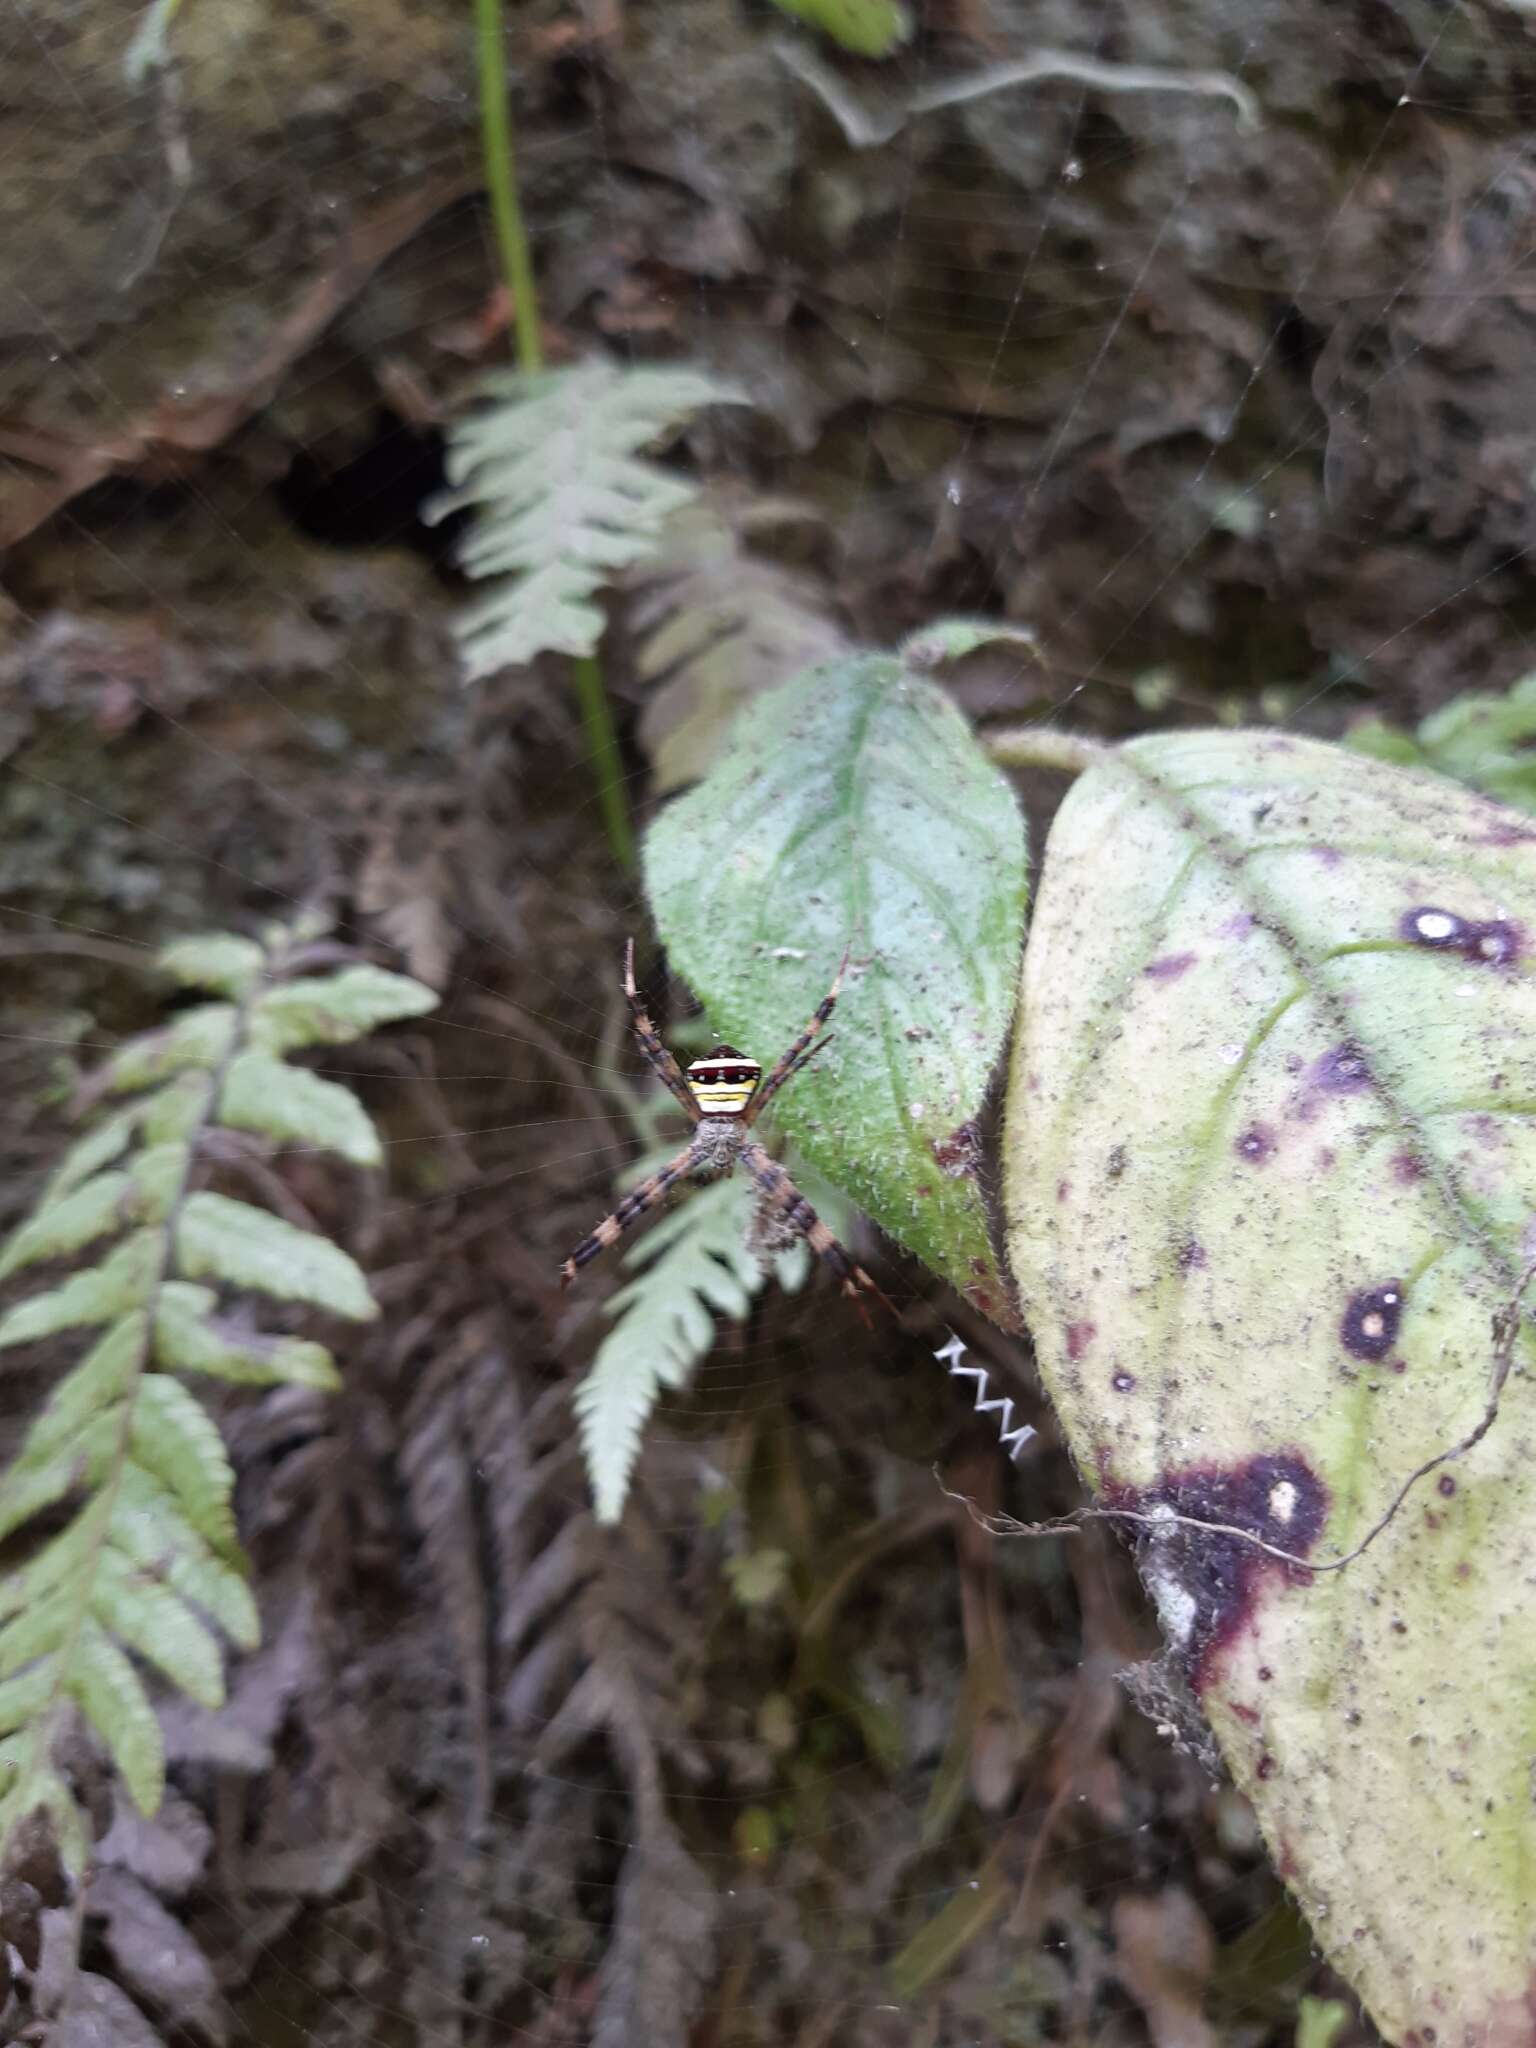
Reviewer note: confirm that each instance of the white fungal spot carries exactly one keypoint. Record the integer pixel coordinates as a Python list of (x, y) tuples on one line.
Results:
[(917, 1111), (1176, 1605), (1434, 925), (1282, 1501)]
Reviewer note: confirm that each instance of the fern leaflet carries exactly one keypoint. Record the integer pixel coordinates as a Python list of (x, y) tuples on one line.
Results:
[(549, 462), (121, 1491), (698, 1262)]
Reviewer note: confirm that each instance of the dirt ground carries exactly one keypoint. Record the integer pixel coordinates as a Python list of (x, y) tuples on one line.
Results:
[(1239, 417)]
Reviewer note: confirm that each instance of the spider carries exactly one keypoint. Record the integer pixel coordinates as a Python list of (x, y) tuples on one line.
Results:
[(723, 1095)]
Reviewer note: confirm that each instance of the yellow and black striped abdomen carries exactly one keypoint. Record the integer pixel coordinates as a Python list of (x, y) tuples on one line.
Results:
[(724, 1082)]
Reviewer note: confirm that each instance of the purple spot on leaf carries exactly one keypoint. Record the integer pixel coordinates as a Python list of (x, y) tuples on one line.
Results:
[(1170, 967), (1123, 1382), (1192, 1256), (1256, 1144), (1368, 1328), (1446, 1484), (1407, 1167), (1342, 1071), (1079, 1337), (1493, 942), (1208, 1583)]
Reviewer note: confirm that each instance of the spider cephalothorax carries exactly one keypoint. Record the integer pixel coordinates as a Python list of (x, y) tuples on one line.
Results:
[(722, 1096)]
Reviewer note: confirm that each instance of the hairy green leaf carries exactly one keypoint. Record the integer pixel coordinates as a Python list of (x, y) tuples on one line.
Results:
[(221, 1239), (853, 809), (549, 463), (264, 1094), (334, 1009), (1271, 1175)]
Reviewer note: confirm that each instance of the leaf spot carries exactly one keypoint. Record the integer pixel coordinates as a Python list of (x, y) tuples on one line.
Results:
[(1256, 1145), (1079, 1337), (1342, 1071), (1123, 1382), (958, 1152), (1370, 1323), (1206, 1584), (1496, 942), (1170, 967)]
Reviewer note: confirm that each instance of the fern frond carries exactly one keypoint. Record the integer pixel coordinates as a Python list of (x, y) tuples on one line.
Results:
[(715, 624), (549, 463), (140, 1562), (691, 1266)]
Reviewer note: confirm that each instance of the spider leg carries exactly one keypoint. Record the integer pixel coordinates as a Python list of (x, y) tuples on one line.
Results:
[(630, 1210), (797, 1054), (657, 1057), (781, 1194)]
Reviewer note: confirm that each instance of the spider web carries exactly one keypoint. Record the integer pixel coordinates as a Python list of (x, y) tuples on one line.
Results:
[(1236, 422)]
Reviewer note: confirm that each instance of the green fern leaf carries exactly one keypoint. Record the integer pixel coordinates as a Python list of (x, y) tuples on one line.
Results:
[(189, 1337), (100, 1145), (123, 1280), (549, 462), (689, 1267), (260, 1093), (114, 1701), (151, 1531), (178, 1442), (75, 1220), (334, 1009), (222, 1239), (199, 1038), (148, 1563), (149, 1618), (219, 961)]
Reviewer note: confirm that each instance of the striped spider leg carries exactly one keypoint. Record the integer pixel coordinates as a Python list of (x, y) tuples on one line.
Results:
[(782, 1199), (805, 1047), (659, 1060), (630, 1210)]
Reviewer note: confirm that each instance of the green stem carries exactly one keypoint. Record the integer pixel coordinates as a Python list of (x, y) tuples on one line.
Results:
[(517, 274), (602, 743), (501, 183)]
